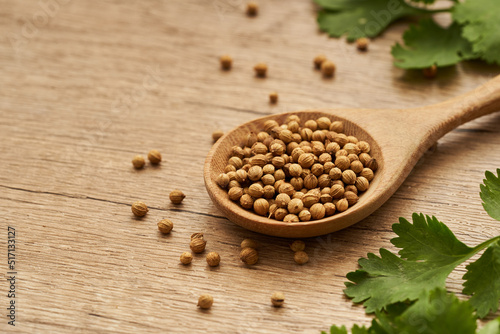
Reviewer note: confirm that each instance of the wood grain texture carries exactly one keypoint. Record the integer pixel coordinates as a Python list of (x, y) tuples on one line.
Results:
[(97, 83)]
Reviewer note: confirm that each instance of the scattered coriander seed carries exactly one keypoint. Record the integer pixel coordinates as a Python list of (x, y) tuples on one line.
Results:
[(177, 196), (197, 245), (154, 157), (197, 235), (301, 257), (362, 43), (217, 134), (260, 70), (186, 258), (278, 299), (318, 60), (297, 245), (205, 301), (213, 259), (273, 97), (252, 8), (249, 256), (249, 243), (165, 226), (139, 209), (327, 68), (138, 162), (430, 72), (226, 62)]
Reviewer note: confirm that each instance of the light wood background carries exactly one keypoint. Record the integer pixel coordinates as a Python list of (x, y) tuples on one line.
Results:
[(85, 89)]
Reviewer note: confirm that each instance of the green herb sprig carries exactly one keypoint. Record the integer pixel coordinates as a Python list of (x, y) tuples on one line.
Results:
[(407, 291), (473, 33)]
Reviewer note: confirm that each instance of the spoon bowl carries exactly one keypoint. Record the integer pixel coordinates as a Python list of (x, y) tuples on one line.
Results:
[(398, 138)]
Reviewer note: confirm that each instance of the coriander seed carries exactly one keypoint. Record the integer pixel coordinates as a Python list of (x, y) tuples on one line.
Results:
[(177, 196), (362, 183), (252, 8), (342, 205), (278, 299), (186, 258), (223, 180), (216, 135), (138, 162), (297, 245), (139, 209), (246, 201), (291, 218), (249, 243), (249, 256), (430, 72), (318, 60), (317, 211), (197, 235), (260, 70), (226, 62), (213, 259), (295, 206), (327, 68), (165, 226), (205, 301), (362, 44), (197, 245), (351, 198), (154, 157), (261, 207), (273, 97), (304, 215), (301, 257)]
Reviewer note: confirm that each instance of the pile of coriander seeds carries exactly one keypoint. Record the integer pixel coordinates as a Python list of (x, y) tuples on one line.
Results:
[(299, 171)]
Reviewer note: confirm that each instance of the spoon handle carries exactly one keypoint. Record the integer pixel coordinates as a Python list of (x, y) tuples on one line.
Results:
[(452, 113)]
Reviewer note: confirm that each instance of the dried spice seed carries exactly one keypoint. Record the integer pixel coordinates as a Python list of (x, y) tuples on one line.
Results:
[(226, 62), (217, 134), (138, 162), (301, 257), (327, 68), (213, 259), (318, 60), (205, 301), (298, 245), (362, 43), (260, 70), (252, 8), (139, 209), (298, 171), (249, 256), (249, 243), (177, 196), (197, 245), (278, 299), (154, 157), (273, 97), (186, 258), (165, 226)]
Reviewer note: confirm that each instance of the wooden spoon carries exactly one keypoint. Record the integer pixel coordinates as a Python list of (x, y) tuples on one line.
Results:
[(398, 138)]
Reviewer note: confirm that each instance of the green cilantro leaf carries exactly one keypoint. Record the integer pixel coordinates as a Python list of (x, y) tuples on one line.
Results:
[(430, 252), (492, 327), (483, 281), (490, 194), (336, 330), (435, 312), (389, 279), (428, 44), (361, 18), (427, 239), (481, 25)]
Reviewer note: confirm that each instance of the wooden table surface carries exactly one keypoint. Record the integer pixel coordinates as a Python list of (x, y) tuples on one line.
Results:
[(91, 84)]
